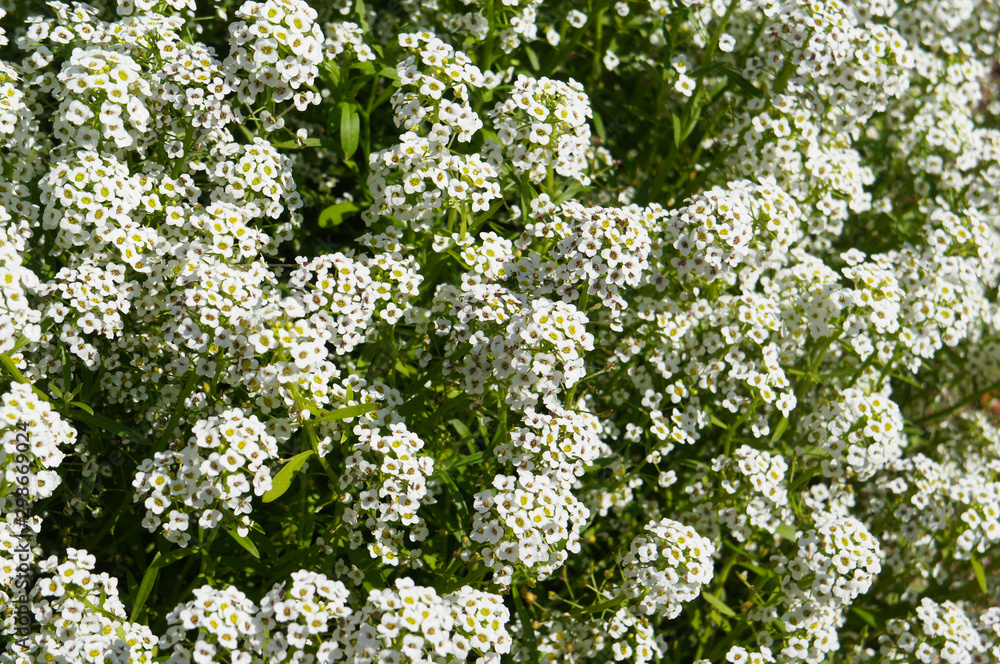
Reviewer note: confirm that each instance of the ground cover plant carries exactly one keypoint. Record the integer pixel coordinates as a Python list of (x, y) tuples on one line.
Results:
[(500, 331)]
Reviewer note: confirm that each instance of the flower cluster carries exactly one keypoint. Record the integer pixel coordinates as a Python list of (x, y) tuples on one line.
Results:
[(223, 464), (940, 632), (544, 126), (279, 45), (528, 521), (413, 623), (35, 439), (80, 617), (836, 561), (666, 568)]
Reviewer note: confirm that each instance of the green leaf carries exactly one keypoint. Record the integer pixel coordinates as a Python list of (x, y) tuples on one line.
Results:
[(460, 428), (294, 145), (779, 429), (719, 605), (334, 214), (461, 509), (82, 406), (599, 127), (742, 83), (977, 567), (803, 478), (175, 555), (109, 425), (532, 58), (389, 72), (148, 579), (867, 616), (677, 130), (350, 127), (786, 532), (281, 481), (526, 627), (244, 542), (348, 412)]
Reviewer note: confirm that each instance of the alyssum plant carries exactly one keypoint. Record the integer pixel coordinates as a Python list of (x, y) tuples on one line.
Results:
[(500, 331)]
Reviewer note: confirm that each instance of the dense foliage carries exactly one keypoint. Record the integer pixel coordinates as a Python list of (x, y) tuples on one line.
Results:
[(479, 330)]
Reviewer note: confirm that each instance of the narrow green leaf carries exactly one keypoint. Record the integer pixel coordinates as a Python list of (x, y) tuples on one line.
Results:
[(461, 509), (350, 127), (175, 555), (82, 406), (110, 425), (803, 478), (526, 627), (348, 412), (786, 532), (779, 430), (599, 127), (281, 481), (334, 215), (719, 605), (294, 145), (532, 58), (460, 428), (389, 72), (977, 567), (742, 83), (867, 616), (244, 542), (148, 579), (677, 130)]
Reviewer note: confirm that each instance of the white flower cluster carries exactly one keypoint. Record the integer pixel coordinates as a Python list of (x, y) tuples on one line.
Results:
[(17, 317), (223, 464), (941, 632), (18, 547), (346, 296), (256, 177), (606, 248), (414, 179), (743, 223), (294, 617), (108, 86), (33, 441), (345, 37), (961, 499), (313, 620), (18, 126), (413, 623), (836, 561), (528, 520), (765, 473), (666, 568), (544, 125), (531, 345), (390, 475), (225, 620), (78, 616), (864, 424), (279, 45)]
